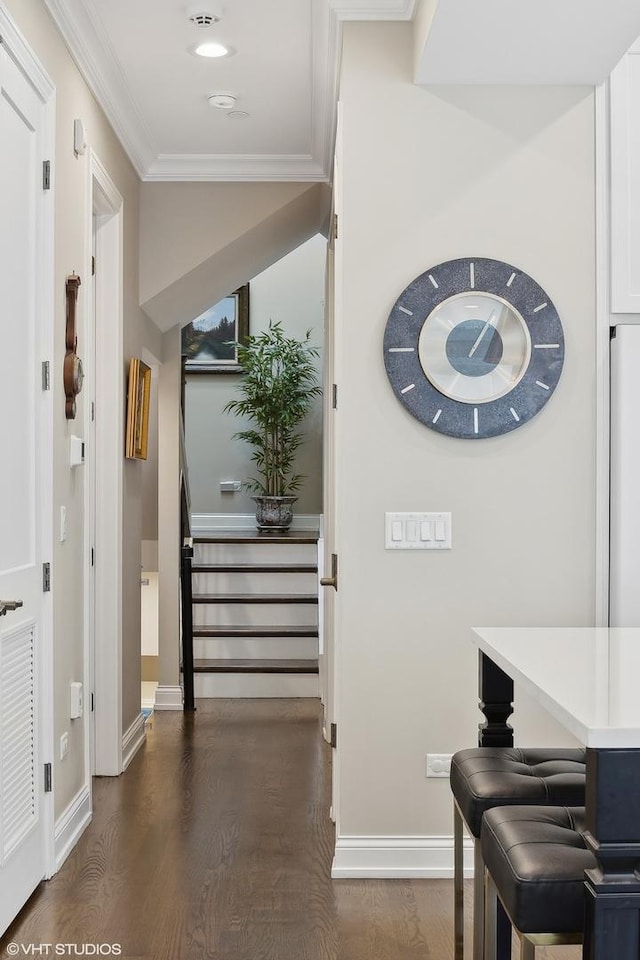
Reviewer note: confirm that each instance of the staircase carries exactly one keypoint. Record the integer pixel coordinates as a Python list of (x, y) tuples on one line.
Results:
[(255, 614)]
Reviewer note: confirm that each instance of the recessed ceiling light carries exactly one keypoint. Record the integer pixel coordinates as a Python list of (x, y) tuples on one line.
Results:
[(222, 100), (212, 49), (238, 115)]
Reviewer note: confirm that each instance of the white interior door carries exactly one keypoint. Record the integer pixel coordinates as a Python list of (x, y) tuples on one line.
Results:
[(22, 414)]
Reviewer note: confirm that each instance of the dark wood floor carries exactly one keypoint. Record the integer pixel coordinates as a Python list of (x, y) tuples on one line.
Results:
[(216, 843)]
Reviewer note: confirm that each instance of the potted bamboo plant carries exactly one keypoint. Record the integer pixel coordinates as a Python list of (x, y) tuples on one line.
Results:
[(278, 387)]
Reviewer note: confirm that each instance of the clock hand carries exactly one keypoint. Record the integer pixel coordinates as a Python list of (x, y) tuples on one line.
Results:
[(481, 335)]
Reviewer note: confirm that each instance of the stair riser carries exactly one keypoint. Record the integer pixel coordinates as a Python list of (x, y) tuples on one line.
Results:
[(254, 614), (255, 583), (283, 648), (263, 552), (255, 685)]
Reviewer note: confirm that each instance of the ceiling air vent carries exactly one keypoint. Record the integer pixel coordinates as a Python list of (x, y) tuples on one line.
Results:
[(203, 15)]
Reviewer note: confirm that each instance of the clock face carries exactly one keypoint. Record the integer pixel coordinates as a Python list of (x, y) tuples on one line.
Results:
[(473, 348)]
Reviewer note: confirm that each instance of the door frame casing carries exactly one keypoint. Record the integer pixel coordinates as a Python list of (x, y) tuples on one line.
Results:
[(104, 487)]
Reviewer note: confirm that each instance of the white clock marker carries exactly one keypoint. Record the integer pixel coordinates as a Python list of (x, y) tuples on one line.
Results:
[(540, 307), (406, 389), (546, 346), (475, 419), (511, 279), (437, 416), (409, 313), (402, 349), (433, 280), (472, 275), (514, 415), (539, 383)]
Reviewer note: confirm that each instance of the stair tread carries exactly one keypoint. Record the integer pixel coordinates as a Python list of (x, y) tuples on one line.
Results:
[(255, 598), (255, 666), (260, 536), (252, 630), (254, 568)]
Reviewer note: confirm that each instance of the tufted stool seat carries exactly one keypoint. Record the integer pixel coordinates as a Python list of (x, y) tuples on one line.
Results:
[(486, 777), (535, 858)]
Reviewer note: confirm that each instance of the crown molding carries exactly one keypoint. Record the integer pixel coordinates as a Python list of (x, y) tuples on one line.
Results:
[(373, 9), (98, 65), (234, 167), (326, 54)]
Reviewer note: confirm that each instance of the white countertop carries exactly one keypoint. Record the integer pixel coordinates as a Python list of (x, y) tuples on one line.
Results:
[(588, 678)]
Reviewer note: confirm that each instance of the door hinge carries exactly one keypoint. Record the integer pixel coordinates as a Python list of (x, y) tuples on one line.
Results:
[(46, 577), (335, 226), (93, 411), (91, 703), (334, 396), (46, 174), (333, 733), (93, 266), (46, 375), (47, 778), (93, 556)]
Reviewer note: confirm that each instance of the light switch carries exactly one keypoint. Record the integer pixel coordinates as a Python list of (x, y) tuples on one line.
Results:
[(418, 531)]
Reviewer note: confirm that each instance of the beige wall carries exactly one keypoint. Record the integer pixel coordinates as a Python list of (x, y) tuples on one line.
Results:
[(291, 291), (428, 175), (73, 99), (200, 240)]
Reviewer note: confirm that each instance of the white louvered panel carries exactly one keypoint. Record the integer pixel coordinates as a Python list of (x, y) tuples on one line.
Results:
[(17, 755)]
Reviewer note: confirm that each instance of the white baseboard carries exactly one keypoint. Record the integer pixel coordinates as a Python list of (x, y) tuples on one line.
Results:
[(204, 523), (168, 698), (71, 824), (133, 740), (388, 858)]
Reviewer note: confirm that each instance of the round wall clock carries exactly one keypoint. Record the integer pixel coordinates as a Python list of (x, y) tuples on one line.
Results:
[(473, 348)]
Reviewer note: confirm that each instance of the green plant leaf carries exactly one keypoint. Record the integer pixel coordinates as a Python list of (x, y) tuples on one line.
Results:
[(277, 390)]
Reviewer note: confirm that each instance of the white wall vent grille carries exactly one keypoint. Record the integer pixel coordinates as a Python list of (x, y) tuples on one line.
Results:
[(17, 716)]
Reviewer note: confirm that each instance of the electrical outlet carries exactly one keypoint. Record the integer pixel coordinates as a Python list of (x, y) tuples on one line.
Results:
[(438, 765), (230, 486), (64, 745)]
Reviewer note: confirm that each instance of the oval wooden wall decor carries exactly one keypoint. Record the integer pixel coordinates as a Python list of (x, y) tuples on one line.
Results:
[(72, 374)]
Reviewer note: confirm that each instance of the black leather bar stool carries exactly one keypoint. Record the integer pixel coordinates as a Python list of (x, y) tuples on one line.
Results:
[(487, 777), (535, 858)]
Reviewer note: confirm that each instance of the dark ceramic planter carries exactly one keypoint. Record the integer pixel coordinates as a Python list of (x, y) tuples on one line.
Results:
[(274, 513)]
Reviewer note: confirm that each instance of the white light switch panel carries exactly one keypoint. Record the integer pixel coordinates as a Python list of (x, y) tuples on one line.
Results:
[(417, 531)]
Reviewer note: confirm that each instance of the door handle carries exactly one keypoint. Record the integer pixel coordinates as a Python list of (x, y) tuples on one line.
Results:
[(8, 606), (331, 581)]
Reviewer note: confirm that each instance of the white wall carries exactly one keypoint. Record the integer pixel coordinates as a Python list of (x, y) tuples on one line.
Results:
[(291, 291), (429, 175)]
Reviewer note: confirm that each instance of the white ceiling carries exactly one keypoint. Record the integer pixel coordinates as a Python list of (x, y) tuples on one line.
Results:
[(135, 55), (562, 42)]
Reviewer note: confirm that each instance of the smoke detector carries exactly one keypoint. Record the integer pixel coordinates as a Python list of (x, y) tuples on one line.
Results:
[(225, 101), (204, 15)]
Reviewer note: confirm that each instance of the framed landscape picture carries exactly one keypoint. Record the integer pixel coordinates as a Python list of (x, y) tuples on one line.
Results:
[(208, 342)]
